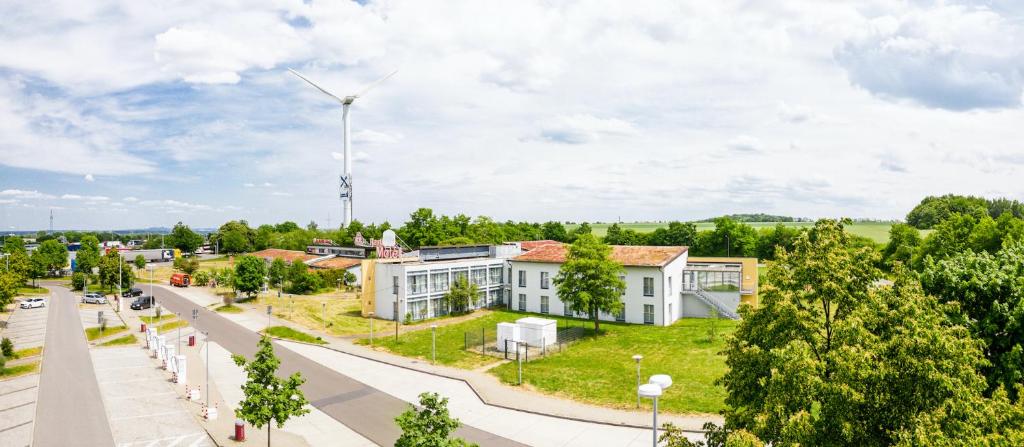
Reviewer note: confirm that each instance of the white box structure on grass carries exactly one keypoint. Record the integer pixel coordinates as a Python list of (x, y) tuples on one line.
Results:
[(510, 332), (538, 331)]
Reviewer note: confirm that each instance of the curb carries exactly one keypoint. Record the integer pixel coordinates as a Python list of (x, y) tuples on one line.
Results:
[(477, 393)]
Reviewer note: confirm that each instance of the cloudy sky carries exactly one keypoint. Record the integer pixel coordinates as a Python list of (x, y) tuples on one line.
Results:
[(135, 113)]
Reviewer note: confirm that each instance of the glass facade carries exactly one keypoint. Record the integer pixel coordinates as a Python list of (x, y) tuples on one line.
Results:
[(721, 281), (417, 283), (439, 281), (494, 275), (479, 276)]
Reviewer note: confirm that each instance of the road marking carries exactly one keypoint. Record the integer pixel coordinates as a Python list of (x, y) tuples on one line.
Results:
[(126, 367), (142, 396), (18, 391), (201, 436), (146, 379), (17, 406), (139, 416), (15, 426)]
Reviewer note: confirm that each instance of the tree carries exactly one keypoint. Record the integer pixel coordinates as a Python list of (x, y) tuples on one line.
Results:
[(140, 262), (9, 283), (583, 228), (250, 272), (933, 210), (54, 255), (349, 278), (676, 234), (729, 238), (111, 266), (830, 359), (88, 255), (770, 239), (234, 237), (7, 348), (37, 266), (78, 281), (430, 427), (989, 292), (183, 238), (461, 295), (269, 398), (186, 265), (951, 236), (588, 281), (276, 273), (13, 244), (904, 241), (19, 264), (554, 231), (615, 235)]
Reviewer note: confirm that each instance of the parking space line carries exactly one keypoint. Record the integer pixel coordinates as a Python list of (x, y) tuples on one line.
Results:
[(176, 439), (18, 391), (142, 396), (17, 406), (146, 379), (125, 367), (139, 416), (15, 426)]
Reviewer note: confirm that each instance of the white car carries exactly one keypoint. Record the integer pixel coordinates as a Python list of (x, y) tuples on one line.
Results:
[(33, 302), (94, 298)]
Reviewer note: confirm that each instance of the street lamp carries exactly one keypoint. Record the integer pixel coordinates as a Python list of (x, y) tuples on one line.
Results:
[(371, 328), (652, 391), (637, 358), (433, 343), (657, 384)]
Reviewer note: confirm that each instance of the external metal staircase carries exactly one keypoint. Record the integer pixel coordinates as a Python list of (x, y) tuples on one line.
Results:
[(715, 304)]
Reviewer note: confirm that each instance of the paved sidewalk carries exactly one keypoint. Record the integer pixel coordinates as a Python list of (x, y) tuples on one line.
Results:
[(486, 387), (18, 410)]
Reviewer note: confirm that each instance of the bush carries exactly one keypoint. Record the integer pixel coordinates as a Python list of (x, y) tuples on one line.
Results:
[(201, 278), (7, 347), (78, 281), (304, 283)]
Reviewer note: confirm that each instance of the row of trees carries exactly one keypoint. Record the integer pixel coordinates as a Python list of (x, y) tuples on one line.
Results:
[(934, 209), (18, 266)]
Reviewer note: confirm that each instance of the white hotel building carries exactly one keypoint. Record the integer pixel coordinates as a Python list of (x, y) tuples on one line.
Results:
[(653, 276)]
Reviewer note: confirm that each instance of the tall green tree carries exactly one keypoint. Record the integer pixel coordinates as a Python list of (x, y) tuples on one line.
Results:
[(13, 244), (933, 210), (140, 262), (461, 295), (729, 238), (830, 359), (675, 234), (269, 398), (54, 255), (277, 272), (950, 237), (430, 427), (88, 255), (770, 239), (183, 238), (37, 266), (588, 281), (111, 266), (904, 241), (988, 290), (554, 231), (9, 283), (250, 272)]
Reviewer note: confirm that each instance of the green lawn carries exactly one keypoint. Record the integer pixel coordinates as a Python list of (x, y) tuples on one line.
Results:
[(20, 370), (229, 309), (120, 341), (877, 231), (292, 334), (94, 332), (150, 319), (172, 325), (29, 290), (597, 370), (28, 352)]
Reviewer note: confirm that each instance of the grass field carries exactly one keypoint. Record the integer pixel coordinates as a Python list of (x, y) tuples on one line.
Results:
[(171, 325), (292, 334), (229, 309), (598, 370), (29, 290), (877, 231), (342, 311), (28, 352)]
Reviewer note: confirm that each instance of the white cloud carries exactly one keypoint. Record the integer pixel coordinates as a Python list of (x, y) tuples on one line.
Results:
[(90, 178), (249, 184), (281, 194), (744, 143), (131, 199), (583, 128), (372, 137), (87, 198), (25, 194)]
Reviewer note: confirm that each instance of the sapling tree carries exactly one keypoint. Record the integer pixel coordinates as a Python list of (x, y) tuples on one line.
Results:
[(269, 398)]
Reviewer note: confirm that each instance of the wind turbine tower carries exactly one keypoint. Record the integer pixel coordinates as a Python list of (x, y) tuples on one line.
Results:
[(346, 175)]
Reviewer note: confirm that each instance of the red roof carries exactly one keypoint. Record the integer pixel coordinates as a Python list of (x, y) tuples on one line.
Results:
[(632, 255), (530, 245), (336, 263), (287, 255)]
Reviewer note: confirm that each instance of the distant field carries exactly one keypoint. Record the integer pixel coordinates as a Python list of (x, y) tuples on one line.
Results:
[(877, 231)]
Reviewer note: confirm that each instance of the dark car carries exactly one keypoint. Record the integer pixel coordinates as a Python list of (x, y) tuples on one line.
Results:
[(142, 302), (134, 291)]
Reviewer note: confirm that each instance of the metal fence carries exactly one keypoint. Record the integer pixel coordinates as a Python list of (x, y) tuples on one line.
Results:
[(485, 342)]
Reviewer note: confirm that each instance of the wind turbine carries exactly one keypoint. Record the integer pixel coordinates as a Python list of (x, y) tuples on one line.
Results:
[(346, 176)]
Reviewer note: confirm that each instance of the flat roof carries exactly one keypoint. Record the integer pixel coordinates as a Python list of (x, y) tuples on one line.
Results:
[(287, 255), (337, 262), (630, 255)]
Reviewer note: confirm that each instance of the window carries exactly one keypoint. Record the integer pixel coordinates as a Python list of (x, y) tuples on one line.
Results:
[(620, 316), (670, 285), (439, 281), (493, 297), (458, 275), (648, 314), (394, 285), (522, 302), (543, 304), (417, 283), (522, 278), (568, 309), (544, 280), (623, 278), (479, 276), (494, 275), (648, 286)]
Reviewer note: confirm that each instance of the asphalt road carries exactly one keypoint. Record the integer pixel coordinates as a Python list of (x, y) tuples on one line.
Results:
[(69, 409), (365, 410)]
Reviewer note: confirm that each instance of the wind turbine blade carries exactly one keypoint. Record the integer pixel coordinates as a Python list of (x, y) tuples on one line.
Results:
[(317, 86), (374, 84)]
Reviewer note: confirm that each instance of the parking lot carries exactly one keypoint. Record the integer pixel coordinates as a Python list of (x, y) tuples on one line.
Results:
[(27, 327), (18, 410), (142, 405)]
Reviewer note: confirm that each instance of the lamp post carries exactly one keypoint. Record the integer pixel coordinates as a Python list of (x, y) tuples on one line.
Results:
[(657, 384), (323, 314), (371, 329), (637, 358), (433, 344), (151, 295)]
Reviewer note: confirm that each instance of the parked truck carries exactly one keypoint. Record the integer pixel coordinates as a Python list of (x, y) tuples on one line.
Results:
[(151, 255)]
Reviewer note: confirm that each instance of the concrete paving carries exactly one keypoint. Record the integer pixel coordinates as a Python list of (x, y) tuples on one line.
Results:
[(142, 406), (70, 410), (18, 410), (89, 315), (27, 327)]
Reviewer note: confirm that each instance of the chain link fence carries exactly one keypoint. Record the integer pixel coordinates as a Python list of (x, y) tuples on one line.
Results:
[(485, 342)]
